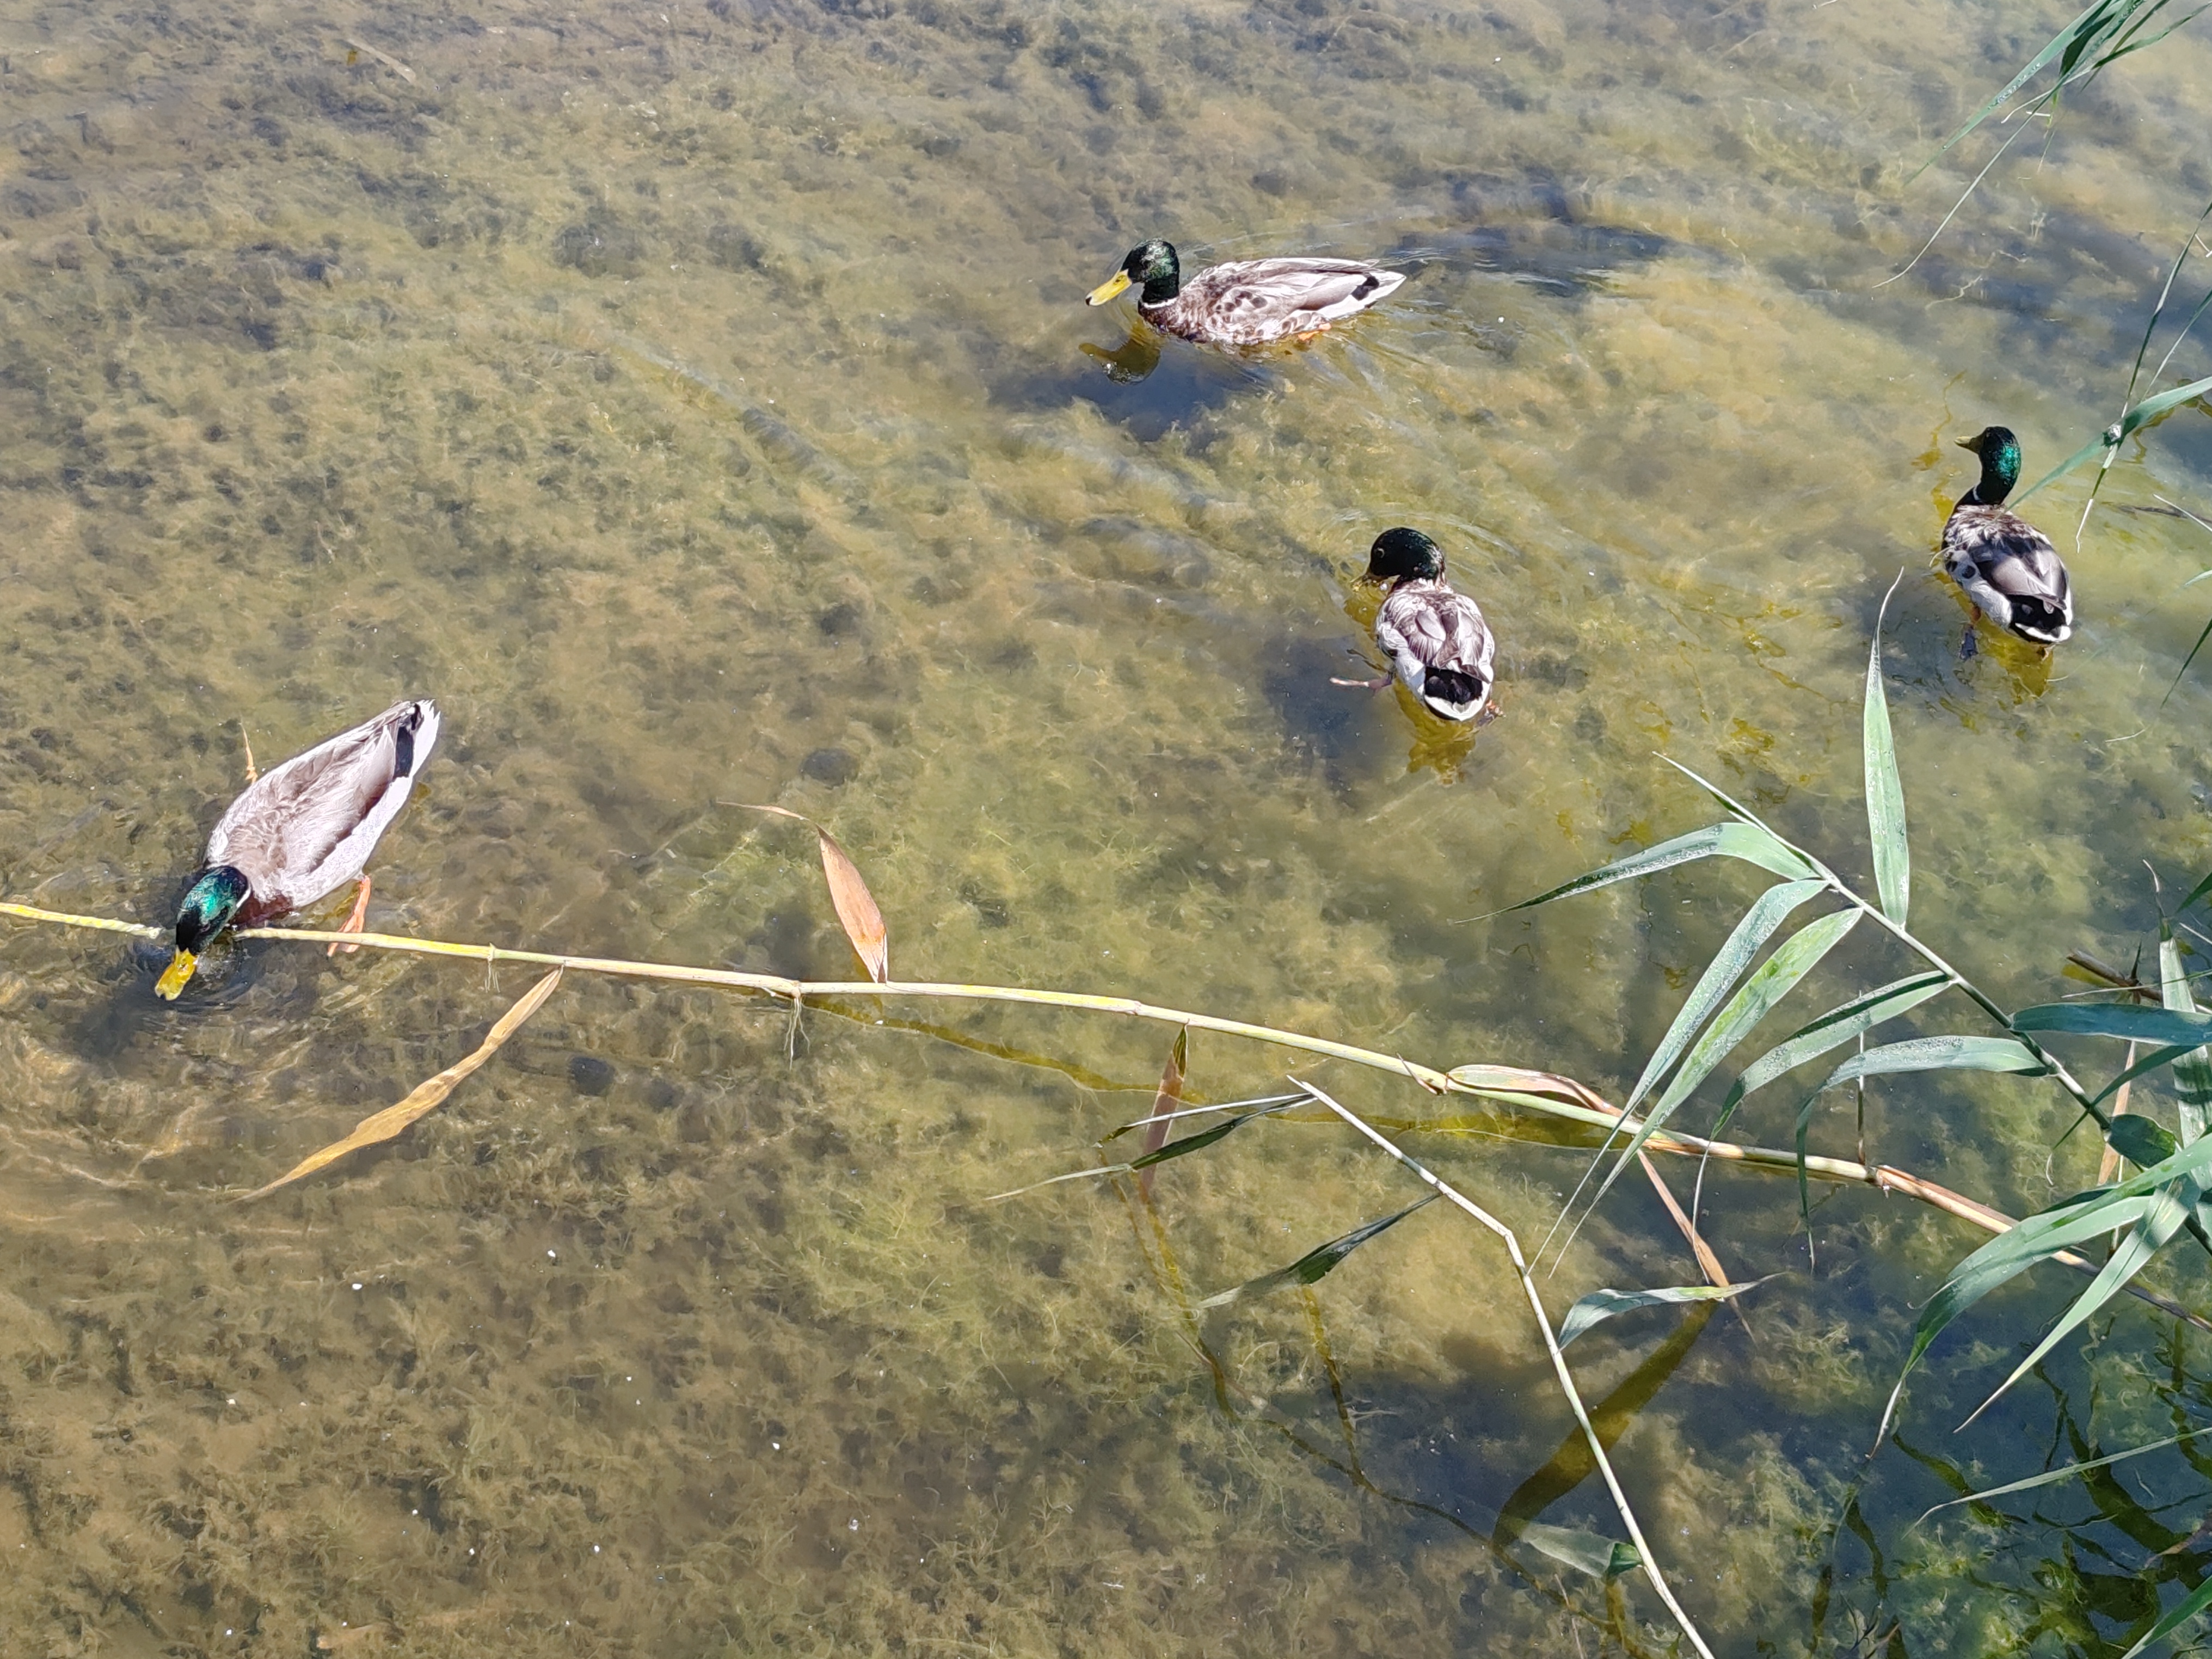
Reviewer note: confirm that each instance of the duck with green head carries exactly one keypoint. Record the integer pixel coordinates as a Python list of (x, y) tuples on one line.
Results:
[(1247, 301), (302, 831), (2006, 565), (1435, 636)]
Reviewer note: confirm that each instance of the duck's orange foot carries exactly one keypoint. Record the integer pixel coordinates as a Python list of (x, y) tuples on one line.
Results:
[(352, 924)]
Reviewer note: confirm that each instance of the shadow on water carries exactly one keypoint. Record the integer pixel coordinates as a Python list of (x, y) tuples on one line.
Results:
[(1337, 726), (1149, 383), (1572, 1463), (2087, 1561)]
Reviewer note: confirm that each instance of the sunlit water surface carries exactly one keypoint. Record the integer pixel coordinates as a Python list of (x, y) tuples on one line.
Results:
[(693, 400)]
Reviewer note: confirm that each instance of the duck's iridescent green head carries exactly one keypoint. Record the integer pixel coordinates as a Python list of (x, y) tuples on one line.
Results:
[(2000, 453), (1403, 555), (1155, 266), (214, 897)]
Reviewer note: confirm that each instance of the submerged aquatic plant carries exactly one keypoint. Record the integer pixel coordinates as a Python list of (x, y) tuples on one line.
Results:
[(1736, 991)]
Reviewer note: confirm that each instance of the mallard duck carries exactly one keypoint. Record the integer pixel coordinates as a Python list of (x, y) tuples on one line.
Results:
[(1250, 302), (1434, 634), (2007, 566), (303, 830)]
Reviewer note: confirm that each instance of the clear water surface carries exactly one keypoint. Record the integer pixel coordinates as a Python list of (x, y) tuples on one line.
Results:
[(693, 400)]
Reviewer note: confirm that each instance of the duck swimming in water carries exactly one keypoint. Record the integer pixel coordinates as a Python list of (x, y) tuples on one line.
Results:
[(1434, 634), (1249, 301), (302, 832), (2006, 565)]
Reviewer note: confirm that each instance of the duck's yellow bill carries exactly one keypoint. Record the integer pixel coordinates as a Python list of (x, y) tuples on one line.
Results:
[(1112, 287), (174, 975), (1968, 443)]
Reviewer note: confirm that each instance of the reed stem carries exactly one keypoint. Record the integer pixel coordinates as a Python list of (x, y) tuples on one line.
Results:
[(1584, 1105)]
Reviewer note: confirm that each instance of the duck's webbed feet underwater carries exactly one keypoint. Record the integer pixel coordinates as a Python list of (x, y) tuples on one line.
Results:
[(354, 920)]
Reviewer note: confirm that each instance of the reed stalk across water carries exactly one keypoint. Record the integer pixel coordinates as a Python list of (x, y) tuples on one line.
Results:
[(1546, 1093)]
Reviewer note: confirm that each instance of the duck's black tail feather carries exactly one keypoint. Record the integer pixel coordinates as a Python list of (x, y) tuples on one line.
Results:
[(1454, 686), (2039, 619)]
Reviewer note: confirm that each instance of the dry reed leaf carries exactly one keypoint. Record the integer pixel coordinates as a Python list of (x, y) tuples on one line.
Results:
[(1515, 1079), (330, 1641), (427, 1098), (383, 57), (856, 909), (849, 894), (2108, 1166), (1708, 1263), (1168, 1097)]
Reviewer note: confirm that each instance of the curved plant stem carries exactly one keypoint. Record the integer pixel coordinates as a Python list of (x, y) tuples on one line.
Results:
[(1552, 1345)]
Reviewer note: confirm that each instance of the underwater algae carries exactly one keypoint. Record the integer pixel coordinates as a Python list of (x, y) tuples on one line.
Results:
[(692, 401)]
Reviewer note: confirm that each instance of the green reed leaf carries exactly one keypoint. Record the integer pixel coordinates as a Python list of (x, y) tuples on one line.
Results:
[(2178, 673), (2137, 1024), (2174, 1618), (2196, 893), (1173, 1149), (2192, 1071), (1315, 1264), (1831, 1031), (1774, 979), (1746, 841), (1884, 793), (1930, 1053), (2141, 1141), (2071, 1221), (2150, 1062), (1189, 1143), (1585, 1551), (2138, 45), (1601, 1305), (1772, 908), (1177, 1115), (2084, 28), (2118, 433), (1937, 1053), (2167, 1210), (2052, 1477)]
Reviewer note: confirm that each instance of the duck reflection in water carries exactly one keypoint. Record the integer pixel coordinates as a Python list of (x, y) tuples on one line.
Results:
[(1133, 360)]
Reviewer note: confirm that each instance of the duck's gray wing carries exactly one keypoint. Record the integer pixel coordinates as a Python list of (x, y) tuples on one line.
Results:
[(308, 826), (1318, 290), (2011, 570), (2009, 553), (1437, 627)]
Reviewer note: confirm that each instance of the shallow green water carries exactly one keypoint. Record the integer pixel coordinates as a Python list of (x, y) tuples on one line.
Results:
[(693, 402)]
